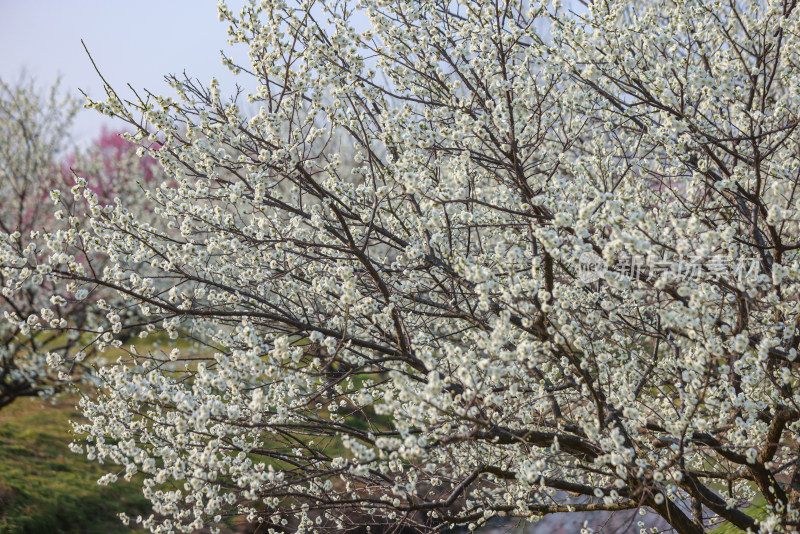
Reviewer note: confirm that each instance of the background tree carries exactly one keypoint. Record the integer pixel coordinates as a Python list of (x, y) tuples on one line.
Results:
[(32, 139), (37, 157), (478, 368)]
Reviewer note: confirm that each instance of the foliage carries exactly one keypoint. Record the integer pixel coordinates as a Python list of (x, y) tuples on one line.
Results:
[(500, 150)]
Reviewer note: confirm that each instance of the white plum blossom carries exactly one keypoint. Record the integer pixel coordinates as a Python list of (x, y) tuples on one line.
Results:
[(379, 238)]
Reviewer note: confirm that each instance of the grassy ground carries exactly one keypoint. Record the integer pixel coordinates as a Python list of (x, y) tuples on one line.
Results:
[(46, 489), (756, 511)]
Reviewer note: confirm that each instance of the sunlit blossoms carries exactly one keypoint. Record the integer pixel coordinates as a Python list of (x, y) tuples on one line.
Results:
[(375, 249)]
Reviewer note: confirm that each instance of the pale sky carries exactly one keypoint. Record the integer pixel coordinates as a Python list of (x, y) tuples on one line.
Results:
[(135, 42)]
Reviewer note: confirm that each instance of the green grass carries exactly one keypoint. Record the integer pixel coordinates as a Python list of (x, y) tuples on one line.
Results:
[(44, 488), (756, 510)]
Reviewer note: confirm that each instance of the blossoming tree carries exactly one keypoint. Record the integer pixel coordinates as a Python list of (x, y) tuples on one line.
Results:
[(415, 339), (34, 160)]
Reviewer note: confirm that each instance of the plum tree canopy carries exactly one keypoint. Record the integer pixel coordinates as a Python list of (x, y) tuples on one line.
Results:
[(459, 260)]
